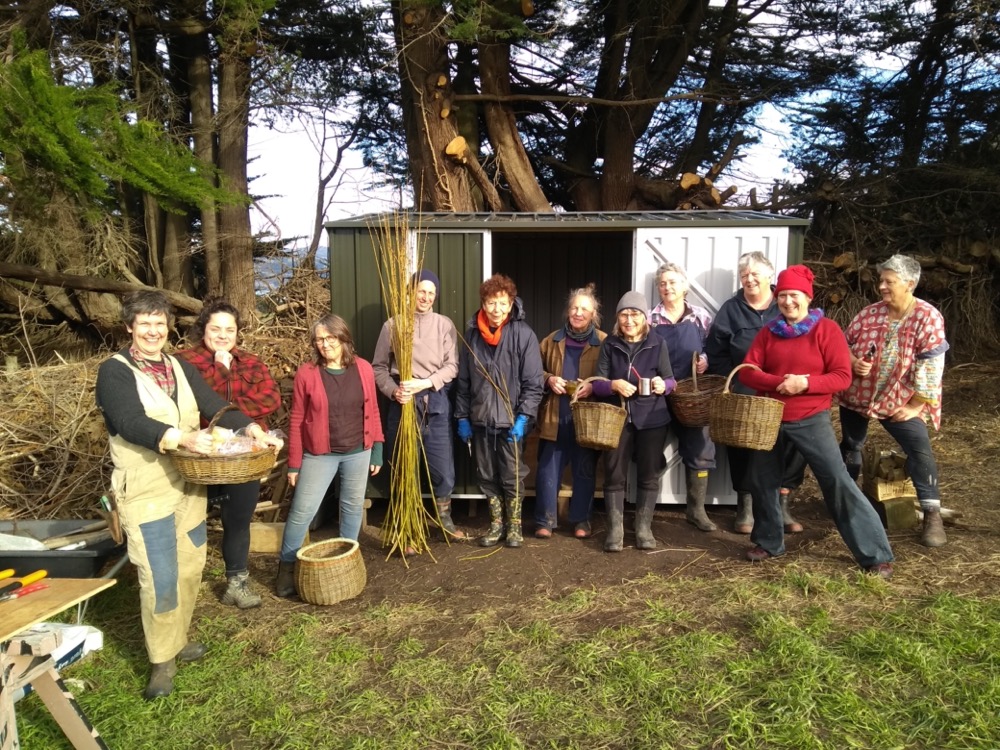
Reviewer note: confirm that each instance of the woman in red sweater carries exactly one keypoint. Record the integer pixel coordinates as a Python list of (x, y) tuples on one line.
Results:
[(334, 429), (804, 359)]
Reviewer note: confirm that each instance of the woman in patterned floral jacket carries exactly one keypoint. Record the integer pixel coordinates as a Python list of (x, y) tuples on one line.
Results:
[(897, 356)]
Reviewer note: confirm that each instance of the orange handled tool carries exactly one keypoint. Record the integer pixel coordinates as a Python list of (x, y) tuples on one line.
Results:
[(30, 578)]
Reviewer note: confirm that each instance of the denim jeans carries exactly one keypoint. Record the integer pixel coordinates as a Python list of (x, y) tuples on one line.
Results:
[(315, 477), (854, 516), (912, 438), (435, 434), (553, 455), (739, 468)]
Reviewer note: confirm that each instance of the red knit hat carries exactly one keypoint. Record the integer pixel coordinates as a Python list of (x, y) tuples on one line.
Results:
[(796, 279)]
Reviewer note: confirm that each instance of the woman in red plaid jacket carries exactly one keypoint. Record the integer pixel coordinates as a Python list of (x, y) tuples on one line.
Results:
[(243, 380)]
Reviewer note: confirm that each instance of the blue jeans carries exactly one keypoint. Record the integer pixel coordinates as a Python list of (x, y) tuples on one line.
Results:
[(315, 477), (553, 455), (912, 438), (854, 516)]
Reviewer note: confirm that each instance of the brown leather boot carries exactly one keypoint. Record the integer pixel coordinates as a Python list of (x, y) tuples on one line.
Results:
[(933, 534)]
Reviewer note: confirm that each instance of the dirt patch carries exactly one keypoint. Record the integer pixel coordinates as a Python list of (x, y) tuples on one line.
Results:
[(463, 577)]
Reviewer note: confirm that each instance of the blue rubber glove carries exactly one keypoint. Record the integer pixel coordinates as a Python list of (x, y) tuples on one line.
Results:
[(516, 433), (464, 430)]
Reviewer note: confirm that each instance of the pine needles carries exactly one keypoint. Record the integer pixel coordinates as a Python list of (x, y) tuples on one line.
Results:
[(405, 527)]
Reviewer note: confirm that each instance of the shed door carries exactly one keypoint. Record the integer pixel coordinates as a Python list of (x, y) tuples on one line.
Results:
[(710, 256)]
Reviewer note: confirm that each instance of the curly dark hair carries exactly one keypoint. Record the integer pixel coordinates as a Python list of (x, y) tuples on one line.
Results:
[(212, 306), (497, 284), (335, 326)]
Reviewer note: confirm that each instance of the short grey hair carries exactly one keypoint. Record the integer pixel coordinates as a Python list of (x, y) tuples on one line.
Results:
[(756, 258), (669, 267), (590, 292), (905, 267)]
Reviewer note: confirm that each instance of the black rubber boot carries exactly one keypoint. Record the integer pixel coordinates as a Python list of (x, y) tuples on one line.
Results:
[(496, 530), (161, 680), (447, 524), (285, 583), (192, 652), (697, 487), (744, 513), (614, 503), (644, 509), (514, 537)]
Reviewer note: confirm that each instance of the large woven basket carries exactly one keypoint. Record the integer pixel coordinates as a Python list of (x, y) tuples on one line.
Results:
[(744, 421), (597, 425), (235, 468), (330, 571), (690, 398)]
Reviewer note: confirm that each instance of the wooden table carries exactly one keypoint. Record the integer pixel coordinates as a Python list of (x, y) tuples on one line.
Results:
[(17, 615)]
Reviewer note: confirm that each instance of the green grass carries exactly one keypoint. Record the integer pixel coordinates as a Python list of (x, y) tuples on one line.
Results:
[(803, 661)]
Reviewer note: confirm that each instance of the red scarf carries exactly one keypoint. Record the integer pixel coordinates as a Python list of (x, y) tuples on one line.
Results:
[(490, 337), (161, 372)]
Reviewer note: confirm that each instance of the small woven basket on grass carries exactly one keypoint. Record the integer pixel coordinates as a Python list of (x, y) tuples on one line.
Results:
[(691, 396), (744, 421), (234, 468), (330, 571), (597, 425)]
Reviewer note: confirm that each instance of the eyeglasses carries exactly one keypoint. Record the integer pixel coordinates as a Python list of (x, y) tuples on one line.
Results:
[(327, 341), (634, 314)]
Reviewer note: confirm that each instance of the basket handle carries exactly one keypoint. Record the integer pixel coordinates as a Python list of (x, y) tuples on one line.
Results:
[(725, 389), (694, 370), (219, 413), (574, 397)]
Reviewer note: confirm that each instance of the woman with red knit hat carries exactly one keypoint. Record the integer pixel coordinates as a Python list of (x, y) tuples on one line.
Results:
[(804, 359)]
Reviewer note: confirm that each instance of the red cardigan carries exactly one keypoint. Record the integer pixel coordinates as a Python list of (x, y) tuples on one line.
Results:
[(822, 354), (309, 422)]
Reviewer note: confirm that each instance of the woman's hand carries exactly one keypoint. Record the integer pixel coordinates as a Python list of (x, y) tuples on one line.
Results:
[(557, 385), (583, 390), (624, 388), (906, 412), (658, 385), (702, 365), (293, 477), (258, 434), (793, 385), (374, 469), (224, 358), (199, 441), (400, 395), (860, 367)]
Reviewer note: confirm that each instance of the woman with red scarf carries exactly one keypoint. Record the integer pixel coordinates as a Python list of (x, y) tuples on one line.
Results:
[(500, 381)]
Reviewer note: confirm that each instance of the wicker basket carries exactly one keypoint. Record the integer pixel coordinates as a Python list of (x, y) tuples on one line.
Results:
[(235, 468), (690, 398), (330, 571), (744, 421), (597, 425)]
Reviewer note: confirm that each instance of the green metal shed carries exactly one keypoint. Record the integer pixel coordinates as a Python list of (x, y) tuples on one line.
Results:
[(546, 255)]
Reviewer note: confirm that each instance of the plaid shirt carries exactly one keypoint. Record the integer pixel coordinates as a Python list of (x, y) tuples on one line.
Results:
[(247, 384)]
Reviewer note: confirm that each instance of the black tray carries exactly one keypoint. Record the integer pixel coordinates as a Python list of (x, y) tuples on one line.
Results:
[(76, 563)]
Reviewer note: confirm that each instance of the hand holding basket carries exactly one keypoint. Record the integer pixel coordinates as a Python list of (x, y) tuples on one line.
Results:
[(231, 468), (691, 397), (741, 421), (597, 425)]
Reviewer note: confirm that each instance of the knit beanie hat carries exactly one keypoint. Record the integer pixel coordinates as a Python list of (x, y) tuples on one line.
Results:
[(425, 275), (631, 301), (796, 279)]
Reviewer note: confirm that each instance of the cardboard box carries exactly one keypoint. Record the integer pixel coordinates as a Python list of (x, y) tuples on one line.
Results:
[(266, 537)]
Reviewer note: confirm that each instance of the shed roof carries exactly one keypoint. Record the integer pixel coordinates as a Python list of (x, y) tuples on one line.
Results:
[(601, 220)]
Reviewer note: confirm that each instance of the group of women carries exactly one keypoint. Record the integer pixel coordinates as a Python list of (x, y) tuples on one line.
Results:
[(888, 367)]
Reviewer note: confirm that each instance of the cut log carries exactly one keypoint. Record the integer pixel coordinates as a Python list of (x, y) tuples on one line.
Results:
[(457, 147), (689, 180)]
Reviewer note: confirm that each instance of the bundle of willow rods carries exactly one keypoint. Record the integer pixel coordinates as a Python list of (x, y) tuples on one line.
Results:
[(405, 527)]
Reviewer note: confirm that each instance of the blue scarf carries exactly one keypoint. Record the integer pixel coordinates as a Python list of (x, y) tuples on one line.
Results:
[(781, 327)]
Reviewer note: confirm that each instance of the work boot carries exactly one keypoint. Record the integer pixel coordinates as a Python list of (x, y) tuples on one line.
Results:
[(448, 525), (496, 530), (697, 487), (744, 513), (514, 538), (614, 503), (285, 583), (238, 592), (791, 525), (192, 651), (933, 535), (644, 509), (161, 680)]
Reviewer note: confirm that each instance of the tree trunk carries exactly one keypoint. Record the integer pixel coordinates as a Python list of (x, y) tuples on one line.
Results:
[(439, 184), (494, 68)]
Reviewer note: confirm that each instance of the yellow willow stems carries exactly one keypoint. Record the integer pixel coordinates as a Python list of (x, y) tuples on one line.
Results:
[(405, 527)]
